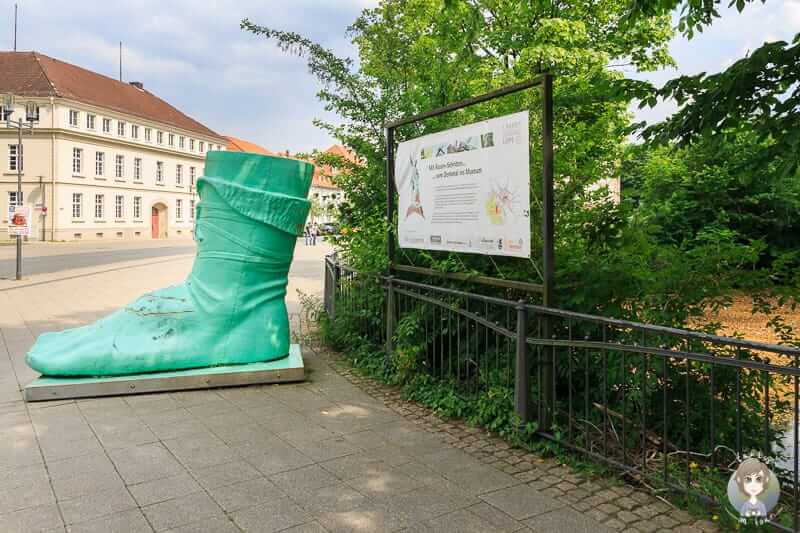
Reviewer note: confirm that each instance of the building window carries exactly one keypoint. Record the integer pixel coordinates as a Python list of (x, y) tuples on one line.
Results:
[(137, 168), (202, 146), (12, 198), (5, 112), (171, 139), (178, 174), (120, 128), (160, 137), (147, 133), (159, 171), (191, 209), (134, 131), (99, 204), (137, 207), (99, 164), (73, 118), (15, 160), (178, 209), (119, 170), (90, 121), (191, 176), (191, 145), (32, 112), (119, 206), (77, 160), (181, 142), (106, 125), (77, 205)]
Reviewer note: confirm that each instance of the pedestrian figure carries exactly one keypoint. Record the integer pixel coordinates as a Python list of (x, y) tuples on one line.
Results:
[(314, 231), (307, 234)]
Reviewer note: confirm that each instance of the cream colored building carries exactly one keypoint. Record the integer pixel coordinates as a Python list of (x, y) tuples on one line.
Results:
[(106, 159)]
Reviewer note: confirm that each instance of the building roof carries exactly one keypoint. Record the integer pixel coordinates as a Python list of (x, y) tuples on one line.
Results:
[(341, 151), (324, 174), (37, 75), (240, 145)]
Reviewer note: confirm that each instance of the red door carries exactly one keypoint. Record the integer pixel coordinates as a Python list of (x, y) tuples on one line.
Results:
[(154, 223)]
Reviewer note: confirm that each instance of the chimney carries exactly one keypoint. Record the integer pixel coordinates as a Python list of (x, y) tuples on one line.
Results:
[(139, 85)]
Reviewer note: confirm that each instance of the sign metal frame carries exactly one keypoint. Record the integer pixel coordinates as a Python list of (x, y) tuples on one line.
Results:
[(547, 288)]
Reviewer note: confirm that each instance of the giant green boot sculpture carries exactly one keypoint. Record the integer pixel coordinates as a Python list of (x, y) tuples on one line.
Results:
[(231, 309)]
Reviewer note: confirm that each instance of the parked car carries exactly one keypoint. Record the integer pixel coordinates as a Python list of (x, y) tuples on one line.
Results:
[(329, 228)]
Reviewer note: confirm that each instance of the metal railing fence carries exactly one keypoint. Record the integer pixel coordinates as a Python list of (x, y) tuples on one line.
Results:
[(663, 405)]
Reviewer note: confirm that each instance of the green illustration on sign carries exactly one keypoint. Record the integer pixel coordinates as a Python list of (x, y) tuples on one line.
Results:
[(231, 309)]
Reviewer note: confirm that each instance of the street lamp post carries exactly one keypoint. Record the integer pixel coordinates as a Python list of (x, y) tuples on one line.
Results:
[(8, 110)]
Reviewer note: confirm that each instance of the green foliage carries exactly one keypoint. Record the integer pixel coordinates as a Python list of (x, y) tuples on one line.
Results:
[(695, 14), (760, 92), (707, 200)]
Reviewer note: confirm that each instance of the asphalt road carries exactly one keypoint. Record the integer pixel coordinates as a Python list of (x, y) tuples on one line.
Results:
[(56, 257), (51, 258)]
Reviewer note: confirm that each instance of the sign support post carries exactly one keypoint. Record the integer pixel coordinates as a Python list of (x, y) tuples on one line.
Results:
[(548, 232)]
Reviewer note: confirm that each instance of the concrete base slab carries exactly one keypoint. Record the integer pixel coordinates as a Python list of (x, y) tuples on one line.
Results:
[(281, 371)]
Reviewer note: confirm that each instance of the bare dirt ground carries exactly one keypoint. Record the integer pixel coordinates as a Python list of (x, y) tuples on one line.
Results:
[(739, 319)]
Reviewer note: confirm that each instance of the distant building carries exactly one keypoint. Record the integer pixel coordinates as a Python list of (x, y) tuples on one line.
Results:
[(324, 191), (240, 145), (107, 159)]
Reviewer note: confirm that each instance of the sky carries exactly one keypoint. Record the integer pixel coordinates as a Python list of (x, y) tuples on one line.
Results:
[(193, 54)]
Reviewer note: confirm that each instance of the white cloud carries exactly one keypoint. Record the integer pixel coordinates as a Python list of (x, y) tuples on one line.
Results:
[(194, 54)]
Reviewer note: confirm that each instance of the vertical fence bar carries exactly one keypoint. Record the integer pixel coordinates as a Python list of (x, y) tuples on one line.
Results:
[(486, 345), (326, 289), (623, 391), (604, 355), (767, 448), (687, 421), (570, 355), (712, 386), (587, 355), (508, 346), (336, 282), (450, 344), (645, 402), (738, 407), (539, 377), (795, 424), (664, 415), (522, 385), (442, 329), (390, 319)]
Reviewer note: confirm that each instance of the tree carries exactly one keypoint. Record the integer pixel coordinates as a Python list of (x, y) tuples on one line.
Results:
[(418, 54), (760, 91)]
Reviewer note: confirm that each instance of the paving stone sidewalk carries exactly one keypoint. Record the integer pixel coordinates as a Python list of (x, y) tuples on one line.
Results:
[(336, 453), (583, 504)]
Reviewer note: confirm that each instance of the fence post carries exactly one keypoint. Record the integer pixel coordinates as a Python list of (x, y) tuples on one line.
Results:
[(548, 408), (522, 375), (334, 288), (390, 318), (326, 289)]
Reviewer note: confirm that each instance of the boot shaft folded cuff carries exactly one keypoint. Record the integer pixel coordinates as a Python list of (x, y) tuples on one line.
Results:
[(283, 212)]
